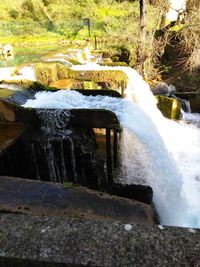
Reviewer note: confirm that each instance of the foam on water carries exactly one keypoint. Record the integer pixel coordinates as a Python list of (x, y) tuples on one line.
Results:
[(193, 118), (159, 152)]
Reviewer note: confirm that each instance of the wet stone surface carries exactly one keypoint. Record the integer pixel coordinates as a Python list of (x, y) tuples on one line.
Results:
[(9, 133), (44, 198)]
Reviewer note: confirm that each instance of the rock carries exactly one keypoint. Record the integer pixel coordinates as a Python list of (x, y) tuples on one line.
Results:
[(114, 64), (6, 112), (138, 192), (9, 133), (193, 98), (170, 107), (48, 73), (164, 89), (67, 84), (54, 242), (43, 198)]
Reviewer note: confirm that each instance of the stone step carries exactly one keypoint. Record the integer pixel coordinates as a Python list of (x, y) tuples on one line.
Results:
[(64, 242)]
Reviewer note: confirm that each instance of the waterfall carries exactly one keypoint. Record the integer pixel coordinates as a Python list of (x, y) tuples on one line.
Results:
[(156, 151), (54, 122), (54, 126)]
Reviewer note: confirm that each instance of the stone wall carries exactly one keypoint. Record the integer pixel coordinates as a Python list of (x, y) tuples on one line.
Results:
[(52, 241)]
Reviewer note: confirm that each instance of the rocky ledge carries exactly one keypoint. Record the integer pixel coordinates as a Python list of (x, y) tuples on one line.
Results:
[(44, 198), (56, 241)]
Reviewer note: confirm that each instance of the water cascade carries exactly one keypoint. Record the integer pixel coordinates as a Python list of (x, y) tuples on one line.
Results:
[(156, 151)]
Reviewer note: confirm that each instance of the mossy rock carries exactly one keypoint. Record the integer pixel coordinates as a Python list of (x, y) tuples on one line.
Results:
[(67, 84), (46, 73), (170, 107), (5, 92), (21, 83), (62, 72), (99, 75), (115, 64), (73, 61)]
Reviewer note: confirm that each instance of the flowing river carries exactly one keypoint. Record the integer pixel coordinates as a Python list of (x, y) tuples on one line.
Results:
[(156, 151)]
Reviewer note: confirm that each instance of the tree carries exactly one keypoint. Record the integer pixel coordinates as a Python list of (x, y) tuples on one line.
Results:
[(143, 16)]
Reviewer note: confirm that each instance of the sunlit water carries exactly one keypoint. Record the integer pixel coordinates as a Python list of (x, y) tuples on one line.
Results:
[(24, 73), (159, 152)]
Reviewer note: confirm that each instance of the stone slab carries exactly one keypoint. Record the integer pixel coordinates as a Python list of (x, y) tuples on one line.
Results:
[(44, 198), (51, 241)]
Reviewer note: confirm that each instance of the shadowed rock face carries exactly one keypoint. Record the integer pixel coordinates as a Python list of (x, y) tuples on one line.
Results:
[(193, 98), (42, 198), (9, 133)]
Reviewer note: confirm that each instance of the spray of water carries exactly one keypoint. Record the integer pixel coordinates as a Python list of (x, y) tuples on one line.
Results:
[(159, 152), (54, 122)]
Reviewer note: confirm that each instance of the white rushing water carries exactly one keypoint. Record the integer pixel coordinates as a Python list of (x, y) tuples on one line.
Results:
[(159, 152), (23, 73)]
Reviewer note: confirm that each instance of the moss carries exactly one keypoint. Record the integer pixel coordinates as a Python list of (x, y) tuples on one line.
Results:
[(5, 92), (49, 73), (62, 71), (41, 87), (23, 83), (114, 64), (67, 185), (170, 107), (67, 84), (46, 73), (99, 76), (88, 85), (73, 61)]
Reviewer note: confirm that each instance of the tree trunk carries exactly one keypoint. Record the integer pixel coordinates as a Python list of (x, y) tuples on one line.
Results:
[(141, 49), (143, 16)]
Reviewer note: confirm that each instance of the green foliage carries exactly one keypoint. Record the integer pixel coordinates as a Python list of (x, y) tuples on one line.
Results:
[(14, 13), (65, 17)]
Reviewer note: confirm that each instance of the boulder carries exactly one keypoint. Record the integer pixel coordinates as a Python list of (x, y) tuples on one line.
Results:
[(170, 107)]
